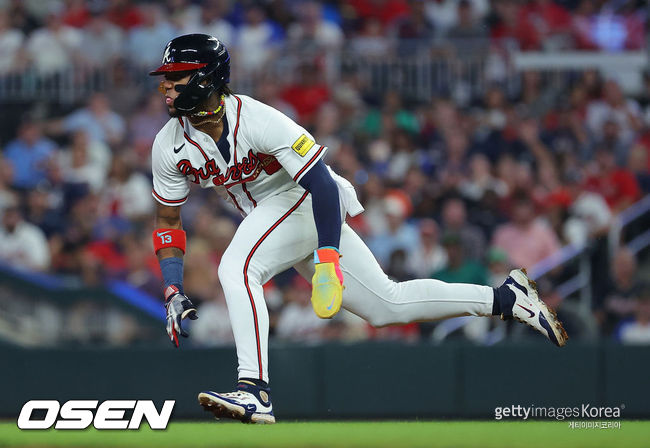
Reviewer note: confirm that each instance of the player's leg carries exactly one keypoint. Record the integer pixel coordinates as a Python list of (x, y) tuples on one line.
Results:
[(274, 237), (268, 241), (369, 293), (372, 295)]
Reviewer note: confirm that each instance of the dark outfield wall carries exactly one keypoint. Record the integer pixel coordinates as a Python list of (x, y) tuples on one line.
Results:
[(344, 381)]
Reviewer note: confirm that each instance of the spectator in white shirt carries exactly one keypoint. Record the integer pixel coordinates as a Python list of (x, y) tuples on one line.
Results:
[(255, 40), (297, 321), (615, 107), (429, 256), (145, 41), (212, 330), (54, 47), (22, 245), (637, 330), (208, 19), (11, 40), (312, 29), (78, 165), (103, 42), (128, 192), (444, 13), (97, 119)]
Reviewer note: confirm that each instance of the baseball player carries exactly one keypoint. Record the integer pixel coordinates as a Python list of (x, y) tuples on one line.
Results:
[(294, 207)]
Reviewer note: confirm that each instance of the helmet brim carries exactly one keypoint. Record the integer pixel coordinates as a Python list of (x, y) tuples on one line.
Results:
[(177, 67)]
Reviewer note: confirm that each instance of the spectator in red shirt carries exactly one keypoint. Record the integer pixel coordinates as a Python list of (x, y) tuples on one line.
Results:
[(387, 11), (551, 22), (634, 19), (307, 95), (76, 14), (644, 143), (123, 14), (617, 185), (581, 25), (511, 24)]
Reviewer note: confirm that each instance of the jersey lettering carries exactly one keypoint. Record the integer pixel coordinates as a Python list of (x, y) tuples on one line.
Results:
[(247, 170)]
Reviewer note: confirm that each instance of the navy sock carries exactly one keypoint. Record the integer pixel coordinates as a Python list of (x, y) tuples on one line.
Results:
[(504, 300), (256, 387), (259, 383)]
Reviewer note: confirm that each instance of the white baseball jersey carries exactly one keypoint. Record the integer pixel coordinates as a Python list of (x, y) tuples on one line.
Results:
[(261, 153)]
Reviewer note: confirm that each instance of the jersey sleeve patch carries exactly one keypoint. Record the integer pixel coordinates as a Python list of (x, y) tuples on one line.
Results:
[(302, 145)]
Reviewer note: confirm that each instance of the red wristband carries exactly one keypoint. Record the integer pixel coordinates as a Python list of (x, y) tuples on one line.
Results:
[(168, 238)]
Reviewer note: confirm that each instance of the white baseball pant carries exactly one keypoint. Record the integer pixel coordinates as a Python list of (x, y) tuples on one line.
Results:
[(280, 233)]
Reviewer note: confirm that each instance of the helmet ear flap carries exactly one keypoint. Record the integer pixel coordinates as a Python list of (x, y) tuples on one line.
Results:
[(196, 90)]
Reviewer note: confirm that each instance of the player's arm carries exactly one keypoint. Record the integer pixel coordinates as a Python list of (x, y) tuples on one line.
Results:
[(327, 283), (169, 244), (168, 217), (325, 204)]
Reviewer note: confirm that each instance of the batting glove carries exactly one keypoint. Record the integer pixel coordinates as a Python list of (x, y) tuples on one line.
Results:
[(178, 307), (327, 283)]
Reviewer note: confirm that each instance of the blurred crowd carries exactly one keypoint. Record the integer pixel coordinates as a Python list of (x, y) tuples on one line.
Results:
[(49, 35), (457, 192)]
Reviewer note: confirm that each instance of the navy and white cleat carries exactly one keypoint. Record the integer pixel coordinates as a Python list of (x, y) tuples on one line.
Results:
[(249, 404), (530, 310)]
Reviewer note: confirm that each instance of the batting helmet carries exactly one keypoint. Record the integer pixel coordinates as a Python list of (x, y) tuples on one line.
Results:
[(202, 54)]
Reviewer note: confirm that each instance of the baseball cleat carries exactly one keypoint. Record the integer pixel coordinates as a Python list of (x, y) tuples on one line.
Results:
[(248, 407), (529, 309)]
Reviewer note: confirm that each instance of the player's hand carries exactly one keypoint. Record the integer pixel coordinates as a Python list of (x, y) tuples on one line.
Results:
[(178, 307), (327, 284)]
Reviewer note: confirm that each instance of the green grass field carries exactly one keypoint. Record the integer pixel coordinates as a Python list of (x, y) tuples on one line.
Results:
[(456, 434)]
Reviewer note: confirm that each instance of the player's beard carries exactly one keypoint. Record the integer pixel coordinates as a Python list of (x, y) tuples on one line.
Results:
[(175, 113)]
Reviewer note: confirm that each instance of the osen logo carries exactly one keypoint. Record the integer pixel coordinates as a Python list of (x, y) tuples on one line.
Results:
[(80, 414)]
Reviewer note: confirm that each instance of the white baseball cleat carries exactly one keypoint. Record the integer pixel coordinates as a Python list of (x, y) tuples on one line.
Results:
[(530, 310), (248, 407)]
